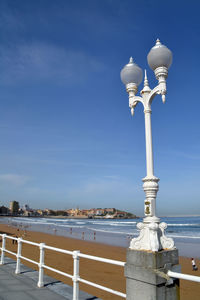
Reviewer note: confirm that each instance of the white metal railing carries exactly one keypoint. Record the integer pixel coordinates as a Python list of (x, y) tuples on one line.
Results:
[(76, 256), (41, 264), (183, 276)]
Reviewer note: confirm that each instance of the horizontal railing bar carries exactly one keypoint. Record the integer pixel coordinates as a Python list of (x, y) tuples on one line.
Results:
[(30, 243), (11, 237), (57, 271), (96, 258), (183, 276), (105, 260), (102, 288), (10, 252), (30, 260), (58, 250)]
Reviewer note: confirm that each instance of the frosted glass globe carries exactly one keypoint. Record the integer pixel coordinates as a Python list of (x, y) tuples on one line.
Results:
[(131, 73), (159, 56)]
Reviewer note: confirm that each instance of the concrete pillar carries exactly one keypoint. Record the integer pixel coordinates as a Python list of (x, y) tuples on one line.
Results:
[(146, 277)]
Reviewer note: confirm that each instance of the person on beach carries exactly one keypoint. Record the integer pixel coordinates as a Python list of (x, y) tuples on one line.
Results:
[(194, 267), (14, 241)]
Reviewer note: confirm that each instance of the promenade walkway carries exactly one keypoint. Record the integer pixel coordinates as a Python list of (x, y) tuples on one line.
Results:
[(24, 286)]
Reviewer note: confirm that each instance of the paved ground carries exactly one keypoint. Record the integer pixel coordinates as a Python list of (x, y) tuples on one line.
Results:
[(24, 285)]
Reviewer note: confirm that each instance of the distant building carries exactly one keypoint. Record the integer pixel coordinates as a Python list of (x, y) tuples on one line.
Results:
[(49, 212), (100, 212), (40, 212), (85, 212), (14, 207), (26, 207), (93, 211), (120, 214), (73, 212), (110, 210), (70, 211), (4, 210)]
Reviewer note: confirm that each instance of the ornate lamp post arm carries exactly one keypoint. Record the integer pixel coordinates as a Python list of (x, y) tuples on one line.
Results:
[(151, 230), (146, 99)]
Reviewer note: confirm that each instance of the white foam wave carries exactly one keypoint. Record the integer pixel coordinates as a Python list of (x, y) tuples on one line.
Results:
[(104, 223), (113, 232), (80, 223), (184, 236), (31, 224), (120, 225), (69, 226), (194, 224)]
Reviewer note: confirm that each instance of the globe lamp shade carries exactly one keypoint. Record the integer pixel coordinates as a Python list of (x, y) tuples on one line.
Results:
[(159, 56), (131, 73)]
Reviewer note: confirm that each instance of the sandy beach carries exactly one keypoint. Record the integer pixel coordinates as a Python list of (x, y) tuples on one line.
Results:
[(108, 275)]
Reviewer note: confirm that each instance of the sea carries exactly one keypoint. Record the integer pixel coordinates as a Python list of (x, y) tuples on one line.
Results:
[(118, 232)]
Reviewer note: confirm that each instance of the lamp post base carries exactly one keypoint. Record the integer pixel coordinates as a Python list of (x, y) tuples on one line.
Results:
[(146, 275), (152, 236)]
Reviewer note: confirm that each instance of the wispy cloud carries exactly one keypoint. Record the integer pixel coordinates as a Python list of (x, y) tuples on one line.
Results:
[(14, 179), (103, 191), (42, 62), (186, 155)]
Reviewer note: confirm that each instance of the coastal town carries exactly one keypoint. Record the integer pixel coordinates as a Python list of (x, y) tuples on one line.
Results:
[(14, 209)]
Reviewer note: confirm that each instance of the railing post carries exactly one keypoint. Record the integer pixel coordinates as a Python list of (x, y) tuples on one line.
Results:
[(3, 248), (146, 278), (76, 275), (19, 253), (41, 269)]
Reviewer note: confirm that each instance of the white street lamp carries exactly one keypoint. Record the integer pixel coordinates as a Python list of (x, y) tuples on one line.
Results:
[(152, 235)]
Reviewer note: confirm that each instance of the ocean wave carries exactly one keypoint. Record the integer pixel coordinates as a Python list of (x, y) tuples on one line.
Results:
[(21, 220), (123, 224), (184, 236), (80, 222), (194, 224), (129, 222), (113, 232), (120, 225), (30, 224), (69, 226)]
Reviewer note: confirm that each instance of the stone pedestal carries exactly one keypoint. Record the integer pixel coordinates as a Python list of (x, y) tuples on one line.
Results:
[(146, 275)]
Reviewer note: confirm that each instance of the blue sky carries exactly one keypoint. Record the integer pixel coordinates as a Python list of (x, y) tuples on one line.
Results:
[(67, 137)]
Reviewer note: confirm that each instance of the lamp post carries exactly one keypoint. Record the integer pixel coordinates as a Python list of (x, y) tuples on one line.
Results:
[(152, 236)]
